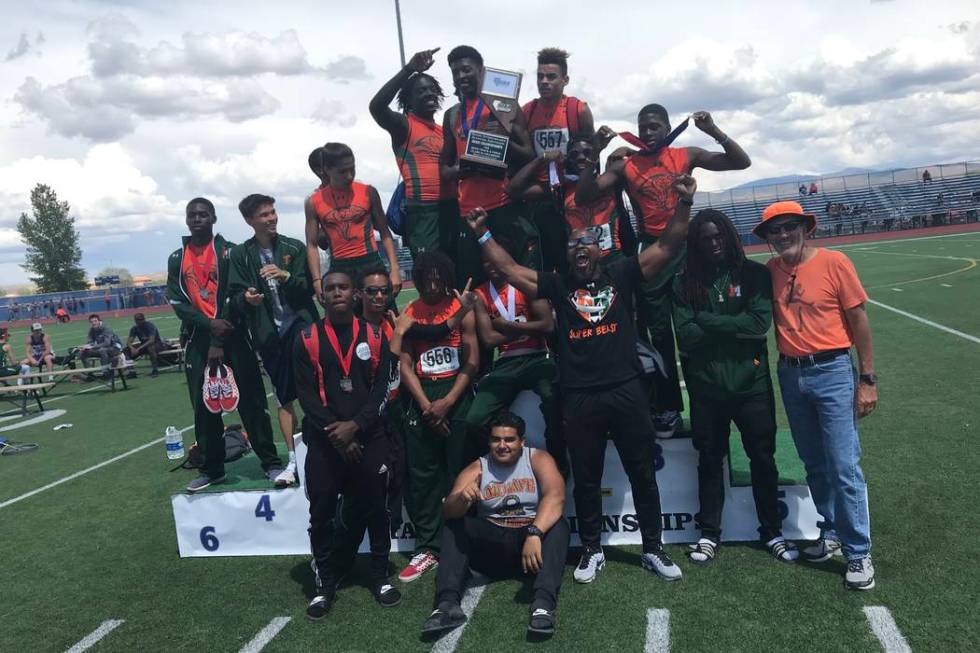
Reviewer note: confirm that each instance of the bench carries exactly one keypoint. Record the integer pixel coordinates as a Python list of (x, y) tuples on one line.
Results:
[(176, 352), (29, 390), (54, 378)]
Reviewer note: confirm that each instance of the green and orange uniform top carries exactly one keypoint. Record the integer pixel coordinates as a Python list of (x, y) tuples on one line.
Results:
[(345, 216)]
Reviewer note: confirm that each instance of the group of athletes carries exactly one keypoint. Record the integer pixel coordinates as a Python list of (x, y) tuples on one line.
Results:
[(529, 280)]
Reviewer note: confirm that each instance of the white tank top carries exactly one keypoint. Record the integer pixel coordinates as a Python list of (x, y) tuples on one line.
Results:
[(508, 494)]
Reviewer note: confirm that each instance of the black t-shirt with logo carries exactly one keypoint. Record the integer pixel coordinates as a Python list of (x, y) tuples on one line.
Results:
[(596, 334)]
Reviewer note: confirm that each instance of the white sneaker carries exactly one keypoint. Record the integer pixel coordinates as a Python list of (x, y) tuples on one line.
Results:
[(666, 424), (589, 565), (821, 550), (660, 563), (782, 549), (860, 574), (287, 477)]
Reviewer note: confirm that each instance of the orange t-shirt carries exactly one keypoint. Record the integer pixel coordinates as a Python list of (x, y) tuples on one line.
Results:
[(347, 220), (649, 184), (600, 213), (808, 309), (438, 359), (418, 160), (476, 190), (199, 268), (549, 128)]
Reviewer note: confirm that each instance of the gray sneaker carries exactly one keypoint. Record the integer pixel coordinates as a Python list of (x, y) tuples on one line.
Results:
[(860, 574), (822, 550), (202, 482), (660, 563)]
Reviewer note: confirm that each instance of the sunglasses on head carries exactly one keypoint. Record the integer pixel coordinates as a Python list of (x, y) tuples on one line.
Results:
[(376, 290), (784, 228)]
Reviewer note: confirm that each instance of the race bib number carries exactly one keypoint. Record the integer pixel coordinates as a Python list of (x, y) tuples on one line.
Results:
[(439, 360), (605, 236), (550, 139)]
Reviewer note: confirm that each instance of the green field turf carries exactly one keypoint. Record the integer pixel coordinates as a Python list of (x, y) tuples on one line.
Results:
[(101, 546)]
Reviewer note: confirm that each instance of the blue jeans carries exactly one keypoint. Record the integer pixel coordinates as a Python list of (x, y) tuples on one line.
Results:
[(819, 403)]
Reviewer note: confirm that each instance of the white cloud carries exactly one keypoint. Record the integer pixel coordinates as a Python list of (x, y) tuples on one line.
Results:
[(107, 109), (201, 55), (347, 68), (333, 112)]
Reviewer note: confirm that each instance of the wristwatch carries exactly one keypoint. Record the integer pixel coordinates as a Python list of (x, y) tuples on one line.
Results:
[(534, 530), (869, 379)]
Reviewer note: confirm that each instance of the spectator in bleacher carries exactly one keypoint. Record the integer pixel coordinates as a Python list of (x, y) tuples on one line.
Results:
[(926, 176), (62, 315), (813, 188), (144, 338), (39, 350), (802, 190), (818, 306)]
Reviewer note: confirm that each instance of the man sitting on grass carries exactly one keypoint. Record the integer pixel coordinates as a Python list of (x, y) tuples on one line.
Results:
[(503, 514), (144, 338)]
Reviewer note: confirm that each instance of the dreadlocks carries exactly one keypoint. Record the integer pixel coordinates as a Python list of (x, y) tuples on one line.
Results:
[(697, 274), (427, 261), (405, 92)]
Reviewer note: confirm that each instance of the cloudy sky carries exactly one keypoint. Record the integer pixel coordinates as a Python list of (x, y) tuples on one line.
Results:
[(128, 109)]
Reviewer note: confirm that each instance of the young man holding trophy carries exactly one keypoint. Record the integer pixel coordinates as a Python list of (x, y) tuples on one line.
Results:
[(485, 135)]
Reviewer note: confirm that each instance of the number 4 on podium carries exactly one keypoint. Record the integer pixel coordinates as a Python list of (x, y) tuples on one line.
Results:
[(263, 508)]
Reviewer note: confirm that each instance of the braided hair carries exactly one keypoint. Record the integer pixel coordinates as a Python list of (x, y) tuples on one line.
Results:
[(405, 92), (696, 277)]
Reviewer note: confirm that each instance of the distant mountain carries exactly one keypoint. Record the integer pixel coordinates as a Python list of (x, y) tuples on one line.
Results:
[(795, 179)]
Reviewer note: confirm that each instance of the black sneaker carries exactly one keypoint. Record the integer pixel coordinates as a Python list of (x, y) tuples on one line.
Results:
[(667, 423), (321, 603), (444, 618), (386, 594), (541, 621)]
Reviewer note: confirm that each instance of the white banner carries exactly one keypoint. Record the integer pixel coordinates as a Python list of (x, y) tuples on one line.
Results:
[(275, 522)]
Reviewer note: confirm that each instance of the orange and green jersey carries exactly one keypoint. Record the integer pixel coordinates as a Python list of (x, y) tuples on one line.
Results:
[(649, 184), (346, 218), (436, 359), (600, 213), (418, 160), (476, 190), (512, 305), (199, 269)]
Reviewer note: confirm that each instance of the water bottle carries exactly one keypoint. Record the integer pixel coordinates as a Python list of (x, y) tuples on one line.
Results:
[(175, 443)]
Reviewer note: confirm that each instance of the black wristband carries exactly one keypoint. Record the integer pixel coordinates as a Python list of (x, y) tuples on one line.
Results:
[(534, 530)]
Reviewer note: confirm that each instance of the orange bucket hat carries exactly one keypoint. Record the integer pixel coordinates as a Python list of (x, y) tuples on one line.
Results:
[(781, 209)]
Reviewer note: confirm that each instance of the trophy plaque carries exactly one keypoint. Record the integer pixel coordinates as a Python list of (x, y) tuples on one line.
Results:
[(486, 152)]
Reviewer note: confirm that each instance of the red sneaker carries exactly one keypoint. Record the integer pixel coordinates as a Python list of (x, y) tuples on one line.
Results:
[(211, 390), (229, 389), (420, 563)]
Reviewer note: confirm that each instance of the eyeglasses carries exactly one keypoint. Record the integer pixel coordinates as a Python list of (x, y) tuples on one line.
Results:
[(587, 241), (377, 290), (784, 228)]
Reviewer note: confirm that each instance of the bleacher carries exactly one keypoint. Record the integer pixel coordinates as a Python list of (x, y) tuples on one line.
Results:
[(876, 201)]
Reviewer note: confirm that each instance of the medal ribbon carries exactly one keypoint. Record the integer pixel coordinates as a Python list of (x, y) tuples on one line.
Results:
[(645, 150), (345, 361), (506, 313), (474, 121)]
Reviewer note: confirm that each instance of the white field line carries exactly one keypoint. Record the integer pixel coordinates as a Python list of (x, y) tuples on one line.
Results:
[(658, 631), (72, 477), (265, 635), (884, 628), (93, 638), (935, 325), (471, 597)]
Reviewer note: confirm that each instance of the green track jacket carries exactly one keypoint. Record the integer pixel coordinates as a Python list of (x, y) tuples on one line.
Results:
[(297, 291), (723, 346)]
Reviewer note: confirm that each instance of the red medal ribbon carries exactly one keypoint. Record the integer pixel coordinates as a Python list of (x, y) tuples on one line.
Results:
[(345, 361)]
